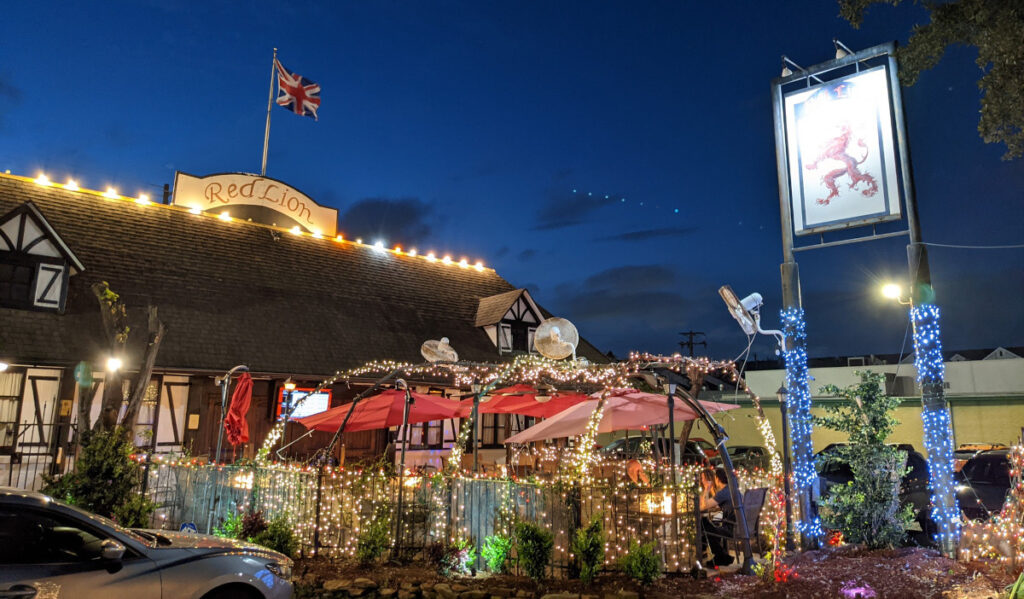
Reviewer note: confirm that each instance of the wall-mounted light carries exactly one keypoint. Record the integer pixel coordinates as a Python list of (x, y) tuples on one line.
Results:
[(111, 193), (42, 179), (71, 185), (289, 384), (114, 364)]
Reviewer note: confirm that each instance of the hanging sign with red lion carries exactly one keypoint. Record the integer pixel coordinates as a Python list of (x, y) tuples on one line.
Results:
[(842, 155)]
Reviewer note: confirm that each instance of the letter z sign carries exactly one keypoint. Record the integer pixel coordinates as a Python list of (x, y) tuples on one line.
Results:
[(49, 292)]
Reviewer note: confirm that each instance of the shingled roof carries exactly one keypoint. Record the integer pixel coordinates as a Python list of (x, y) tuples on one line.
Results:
[(239, 293)]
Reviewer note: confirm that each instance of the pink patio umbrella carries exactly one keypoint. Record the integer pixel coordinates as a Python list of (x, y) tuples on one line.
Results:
[(522, 399), (623, 409), (383, 410)]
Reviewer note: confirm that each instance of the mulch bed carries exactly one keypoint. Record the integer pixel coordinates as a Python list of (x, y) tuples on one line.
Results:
[(835, 572)]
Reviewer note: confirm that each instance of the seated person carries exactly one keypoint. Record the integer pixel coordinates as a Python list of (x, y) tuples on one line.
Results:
[(716, 498)]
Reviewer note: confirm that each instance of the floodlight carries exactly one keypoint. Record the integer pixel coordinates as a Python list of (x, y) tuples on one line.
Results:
[(742, 311), (892, 291)]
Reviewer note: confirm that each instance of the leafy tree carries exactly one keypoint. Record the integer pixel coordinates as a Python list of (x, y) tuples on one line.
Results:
[(995, 28), (105, 480), (867, 509)]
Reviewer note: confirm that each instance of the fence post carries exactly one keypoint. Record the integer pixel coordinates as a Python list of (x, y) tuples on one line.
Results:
[(319, 496)]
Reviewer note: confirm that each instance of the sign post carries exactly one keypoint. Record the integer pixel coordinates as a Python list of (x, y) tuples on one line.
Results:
[(843, 159)]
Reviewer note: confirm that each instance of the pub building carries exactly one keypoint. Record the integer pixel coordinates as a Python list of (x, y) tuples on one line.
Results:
[(242, 270)]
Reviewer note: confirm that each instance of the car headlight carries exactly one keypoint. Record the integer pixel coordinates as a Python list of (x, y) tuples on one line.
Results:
[(282, 571)]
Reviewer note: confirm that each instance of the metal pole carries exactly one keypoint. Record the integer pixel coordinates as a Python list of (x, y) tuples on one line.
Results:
[(670, 389), (476, 432), (270, 102), (787, 469), (938, 430), (224, 383), (791, 300), (401, 468)]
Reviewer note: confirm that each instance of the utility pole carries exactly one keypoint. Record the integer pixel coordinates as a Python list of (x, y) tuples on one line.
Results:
[(690, 343)]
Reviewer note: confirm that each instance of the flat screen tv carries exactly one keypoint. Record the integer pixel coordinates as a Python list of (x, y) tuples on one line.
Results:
[(305, 406)]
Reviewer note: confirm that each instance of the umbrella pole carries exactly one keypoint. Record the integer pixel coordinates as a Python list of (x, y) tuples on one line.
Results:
[(476, 432), (669, 395), (401, 468)]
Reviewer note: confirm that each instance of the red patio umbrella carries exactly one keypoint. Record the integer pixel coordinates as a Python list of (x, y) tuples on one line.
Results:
[(522, 399), (383, 410)]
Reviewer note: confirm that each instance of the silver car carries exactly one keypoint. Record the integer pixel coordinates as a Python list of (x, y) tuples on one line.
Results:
[(51, 550)]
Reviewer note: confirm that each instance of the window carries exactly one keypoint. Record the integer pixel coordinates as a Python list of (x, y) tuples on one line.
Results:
[(504, 337), (492, 430), (30, 537), (427, 435), (15, 284)]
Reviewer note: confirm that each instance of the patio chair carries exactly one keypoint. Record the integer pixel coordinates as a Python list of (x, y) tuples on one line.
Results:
[(753, 504)]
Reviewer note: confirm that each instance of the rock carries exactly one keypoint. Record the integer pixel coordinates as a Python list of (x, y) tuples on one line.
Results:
[(502, 592), (335, 584), (407, 586), (472, 594), (428, 586), (624, 594), (406, 594), (460, 588), (526, 594), (364, 583), (560, 596), (356, 592), (444, 591), (590, 597), (386, 593)]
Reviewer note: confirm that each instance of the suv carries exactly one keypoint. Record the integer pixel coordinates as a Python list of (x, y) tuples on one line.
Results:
[(966, 451), (698, 451), (983, 483)]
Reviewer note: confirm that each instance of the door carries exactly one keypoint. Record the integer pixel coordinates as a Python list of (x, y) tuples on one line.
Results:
[(58, 556)]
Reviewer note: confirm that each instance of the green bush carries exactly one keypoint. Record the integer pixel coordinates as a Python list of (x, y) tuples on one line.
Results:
[(105, 479), (452, 559), (497, 551), (588, 547), (867, 509), (642, 563), (277, 535), (231, 527), (374, 538), (533, 546)]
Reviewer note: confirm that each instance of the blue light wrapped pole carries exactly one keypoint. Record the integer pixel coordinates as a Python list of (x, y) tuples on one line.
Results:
[(798, 406), (938, 430)]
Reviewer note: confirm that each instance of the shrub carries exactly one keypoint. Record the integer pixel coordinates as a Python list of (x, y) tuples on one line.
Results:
[(135, 512), (105, 479), (497, 551), (452, 559), (533, 546), (374, 537), (588, 547), (867, 509), (277, 535), (642, 563), (253, 523), (231, 527)]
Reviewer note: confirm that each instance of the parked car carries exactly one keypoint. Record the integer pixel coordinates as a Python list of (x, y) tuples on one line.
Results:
[(967, 451), (984, 482), (51, 549), (698, 451), (913, 490), (748, 456)]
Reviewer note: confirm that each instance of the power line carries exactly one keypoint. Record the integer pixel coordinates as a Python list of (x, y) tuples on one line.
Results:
[(690, 343), (976, 247)]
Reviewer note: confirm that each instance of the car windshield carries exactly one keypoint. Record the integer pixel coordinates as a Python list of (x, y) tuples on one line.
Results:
[(138, 538)]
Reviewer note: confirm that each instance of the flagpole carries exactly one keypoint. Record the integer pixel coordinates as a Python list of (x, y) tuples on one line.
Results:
[(270, 102)]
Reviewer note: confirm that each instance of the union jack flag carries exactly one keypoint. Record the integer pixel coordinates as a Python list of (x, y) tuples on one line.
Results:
[(295, 92)]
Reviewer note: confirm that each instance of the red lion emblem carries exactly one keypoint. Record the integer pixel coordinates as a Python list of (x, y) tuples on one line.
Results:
[(835, 149)]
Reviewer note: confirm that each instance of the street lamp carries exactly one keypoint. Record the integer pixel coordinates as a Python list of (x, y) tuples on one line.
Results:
[(894, 291)]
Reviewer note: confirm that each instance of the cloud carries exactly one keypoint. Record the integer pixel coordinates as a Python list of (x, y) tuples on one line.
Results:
[(647, 234), (526, 254), (637, 278), (567, 209), (395, 220)]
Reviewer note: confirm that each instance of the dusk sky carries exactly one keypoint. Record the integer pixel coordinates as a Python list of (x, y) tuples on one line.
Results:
[(616, 158)]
